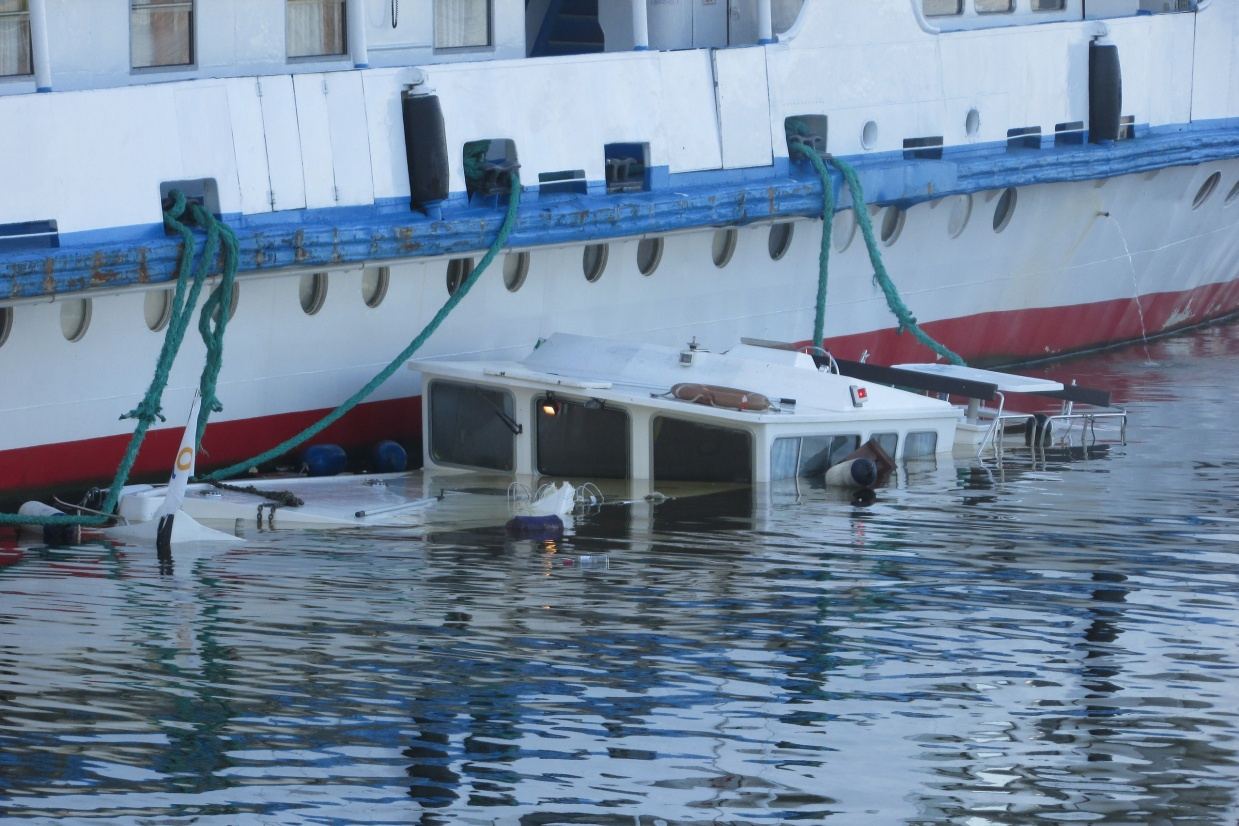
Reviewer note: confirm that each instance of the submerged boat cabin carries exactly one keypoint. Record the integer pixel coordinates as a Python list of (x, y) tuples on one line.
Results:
[(587, 408)]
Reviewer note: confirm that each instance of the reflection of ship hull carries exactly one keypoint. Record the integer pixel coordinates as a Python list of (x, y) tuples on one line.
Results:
[(1104, 244)]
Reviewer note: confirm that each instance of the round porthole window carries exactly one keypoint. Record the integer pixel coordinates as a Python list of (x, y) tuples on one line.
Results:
[(961, 211), (458, 270), (594, 261), (374, 281), (515, 268), (892, 224), (313, 292), (6, 324), (75, 318), (1233, 195), (649, 254), (780, 240), (1206, 189), (1005, 209), (869, 135), (724, 247), (972, 123), (843, 230), (157, 309), (232, 302)]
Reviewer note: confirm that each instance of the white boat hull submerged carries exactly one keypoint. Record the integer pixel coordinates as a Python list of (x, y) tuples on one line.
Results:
[(1007, 244)]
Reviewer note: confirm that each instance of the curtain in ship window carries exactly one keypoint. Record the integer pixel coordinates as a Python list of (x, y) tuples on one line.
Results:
[(994, 6), (15, 38), (161, 33), (461, 23), (1048, 5), (940, 8), (314, 27)]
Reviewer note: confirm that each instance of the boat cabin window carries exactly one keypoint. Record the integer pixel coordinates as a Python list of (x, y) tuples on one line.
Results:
[(887, 441), (161, 33), (808, 455), (920, 445), (688, 451), (314, 28), (472, 426), (15, 53), (940, 8), (994, 6), (581, 439), (462, 24)]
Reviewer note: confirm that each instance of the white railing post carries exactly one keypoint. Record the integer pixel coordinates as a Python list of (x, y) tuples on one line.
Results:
[(640, 26), (765, 29), (356, 28), (38, 43)]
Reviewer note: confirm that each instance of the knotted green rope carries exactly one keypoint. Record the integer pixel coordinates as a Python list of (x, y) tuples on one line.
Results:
[(906, 320), (313, 430)]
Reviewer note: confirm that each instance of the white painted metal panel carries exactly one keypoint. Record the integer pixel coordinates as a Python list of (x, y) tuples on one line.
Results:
[(279, 122), (315, 141), (1216, 90), (350, 147), (743, 103), (249, 145), (385, 128), (205, 140), (689, 118)]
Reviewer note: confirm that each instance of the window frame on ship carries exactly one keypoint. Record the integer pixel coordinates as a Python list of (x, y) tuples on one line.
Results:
[(464, 24), (308, 35), (158, 40), (16, 48)]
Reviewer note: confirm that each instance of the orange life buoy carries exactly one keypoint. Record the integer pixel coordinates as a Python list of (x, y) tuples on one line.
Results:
[(715, 396)]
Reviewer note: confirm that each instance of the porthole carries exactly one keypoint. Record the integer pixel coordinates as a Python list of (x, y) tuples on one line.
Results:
[(972, 123), (374, 281), (157, 308), (1206, 189), (724, 247), (6, 324), (649, 254), (1233, 195), (892, 224), (843, 230), (458, 270), (780, 240), (869, 135), (594, 261), (232, 303), (75, 318), (313, 292), (961, 211), (1005, 209), (515, 268)]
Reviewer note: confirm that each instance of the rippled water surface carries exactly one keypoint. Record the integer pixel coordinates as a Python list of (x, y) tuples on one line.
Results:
[(1050, 641)]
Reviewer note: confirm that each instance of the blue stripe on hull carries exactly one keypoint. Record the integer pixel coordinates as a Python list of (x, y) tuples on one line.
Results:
[(348, 236)]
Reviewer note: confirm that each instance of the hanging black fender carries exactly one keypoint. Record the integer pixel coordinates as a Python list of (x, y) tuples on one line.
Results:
[(425, 147), (1105, 93)]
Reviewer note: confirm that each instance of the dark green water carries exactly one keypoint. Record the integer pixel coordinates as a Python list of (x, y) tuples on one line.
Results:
[(1050, 641)]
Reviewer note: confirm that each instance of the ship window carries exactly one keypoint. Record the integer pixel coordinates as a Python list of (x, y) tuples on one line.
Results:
[(515, 268), (594, 261), (723, 246), (942, 8), (649, 254), (15, 52), (581, 439), (887, 441), (687, 451), (157, 309), (161, 33), (1049, 5), (461, 24), (892, 224), (780, 240), (920, 444), (313, 292), (314, 28), (1206, 189), (232, 303), (374, 281), (809, 455), (458, 271), (1005, 209), (994, 6), (6, 324), (972, 123), (961, 211), (843, 230), (1233, 195), (75, 318), (472, 426)]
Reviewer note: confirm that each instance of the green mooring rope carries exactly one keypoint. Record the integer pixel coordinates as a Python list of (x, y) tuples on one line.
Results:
[(906, 320), (189, 283), (456, 297)]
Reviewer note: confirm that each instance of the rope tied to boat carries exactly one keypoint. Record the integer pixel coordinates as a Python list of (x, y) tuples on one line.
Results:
[(907, 321)]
